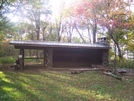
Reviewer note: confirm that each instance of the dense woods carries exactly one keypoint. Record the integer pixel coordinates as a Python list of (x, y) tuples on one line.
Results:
[(78, 22), (67, 72)]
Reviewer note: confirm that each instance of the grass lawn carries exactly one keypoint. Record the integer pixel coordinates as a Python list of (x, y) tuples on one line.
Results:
[(63, 86)]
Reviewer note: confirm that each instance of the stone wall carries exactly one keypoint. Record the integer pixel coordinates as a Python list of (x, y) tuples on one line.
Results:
[(105, 61), (21, 59), (48, 58)]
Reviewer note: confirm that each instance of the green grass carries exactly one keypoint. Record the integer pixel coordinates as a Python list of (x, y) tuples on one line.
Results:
[(7, 60), (63, 86)]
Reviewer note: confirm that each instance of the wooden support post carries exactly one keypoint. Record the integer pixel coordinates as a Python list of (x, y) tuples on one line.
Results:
[(44, 58), (21, 58), (50, 52)]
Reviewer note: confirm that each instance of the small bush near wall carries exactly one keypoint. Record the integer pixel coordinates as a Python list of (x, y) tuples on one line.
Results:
[(7, 60), (126, 64), (7, 50), (122, 63)]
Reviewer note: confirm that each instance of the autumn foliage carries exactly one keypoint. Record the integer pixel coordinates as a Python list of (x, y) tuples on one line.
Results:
[(112, 15)]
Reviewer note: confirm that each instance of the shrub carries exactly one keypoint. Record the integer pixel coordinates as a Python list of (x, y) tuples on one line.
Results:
[(1, 51), (7, 60), (129, 64), (122, 63), (125, 63)]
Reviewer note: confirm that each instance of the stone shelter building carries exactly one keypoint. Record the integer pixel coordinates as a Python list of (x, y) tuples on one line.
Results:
[(66, 55)]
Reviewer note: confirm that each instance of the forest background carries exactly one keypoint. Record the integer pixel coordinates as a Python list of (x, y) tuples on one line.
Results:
[(69, 21)]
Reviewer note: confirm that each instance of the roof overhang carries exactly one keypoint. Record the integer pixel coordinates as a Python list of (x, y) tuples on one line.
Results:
[(43, 44)]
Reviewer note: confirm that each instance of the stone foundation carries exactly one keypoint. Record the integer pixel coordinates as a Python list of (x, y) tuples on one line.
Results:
[(105, 61), (48, 58)]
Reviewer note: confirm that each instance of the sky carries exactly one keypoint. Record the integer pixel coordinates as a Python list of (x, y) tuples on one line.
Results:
[(56, 5), (132, 8)]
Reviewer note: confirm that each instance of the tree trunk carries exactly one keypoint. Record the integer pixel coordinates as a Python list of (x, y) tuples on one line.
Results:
[(94, 31), (38, 32), (43, 32), (133, 58), (69, 35), (50, 32), (117, 44), (80, 34), (115, 58), (119, 51), (58, 31), (43, 37), (89, 35), (59, 37), (115, 76)]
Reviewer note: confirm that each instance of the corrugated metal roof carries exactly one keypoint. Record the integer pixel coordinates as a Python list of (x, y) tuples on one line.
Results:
[(58, 44)]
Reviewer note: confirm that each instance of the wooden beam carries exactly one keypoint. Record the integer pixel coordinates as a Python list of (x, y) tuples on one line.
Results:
[(44, 58), (50, 58), (33, 58), (21, 58)]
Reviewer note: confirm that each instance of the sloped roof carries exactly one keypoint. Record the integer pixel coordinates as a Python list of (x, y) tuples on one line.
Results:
[(44, 44)]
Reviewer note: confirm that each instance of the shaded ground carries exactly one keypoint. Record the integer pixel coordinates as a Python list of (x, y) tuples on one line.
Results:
[(38, 84)]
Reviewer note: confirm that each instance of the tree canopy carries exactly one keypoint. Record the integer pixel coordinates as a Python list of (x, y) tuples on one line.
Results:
[(79, 21)]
